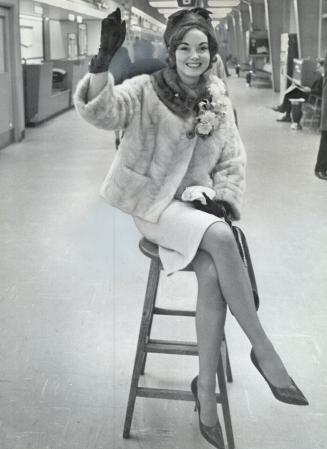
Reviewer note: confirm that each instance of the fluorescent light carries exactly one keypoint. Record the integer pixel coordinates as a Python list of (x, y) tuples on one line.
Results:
[(163, 4), (167, 10), (222, 3), (224, 11)]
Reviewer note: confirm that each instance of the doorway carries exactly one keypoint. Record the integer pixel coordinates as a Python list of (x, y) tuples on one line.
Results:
[(6, 91)]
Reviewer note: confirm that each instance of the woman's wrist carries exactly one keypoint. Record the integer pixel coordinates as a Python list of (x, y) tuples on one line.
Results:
[(97, 83)]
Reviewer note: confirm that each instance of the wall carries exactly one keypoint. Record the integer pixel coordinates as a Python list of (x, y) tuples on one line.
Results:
[(58, 31), (31, 36), (93, 36)]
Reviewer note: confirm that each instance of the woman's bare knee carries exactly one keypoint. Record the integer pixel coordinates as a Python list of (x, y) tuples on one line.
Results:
[(218, 235)]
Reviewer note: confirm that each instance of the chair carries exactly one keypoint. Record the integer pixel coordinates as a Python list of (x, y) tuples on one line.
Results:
[(312, 112), (147, 345)]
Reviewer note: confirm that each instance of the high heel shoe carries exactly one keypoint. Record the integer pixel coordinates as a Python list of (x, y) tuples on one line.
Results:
[(289, 395), (213, 434)]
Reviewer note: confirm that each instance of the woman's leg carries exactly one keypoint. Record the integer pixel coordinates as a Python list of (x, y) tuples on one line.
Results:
[(219, 243), (321, 163), (210, 321)]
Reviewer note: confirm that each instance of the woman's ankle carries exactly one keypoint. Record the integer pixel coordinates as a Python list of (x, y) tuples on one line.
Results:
[(207, 384)]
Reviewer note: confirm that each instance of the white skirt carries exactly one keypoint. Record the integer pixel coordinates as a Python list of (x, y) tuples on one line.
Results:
[(178, 233)]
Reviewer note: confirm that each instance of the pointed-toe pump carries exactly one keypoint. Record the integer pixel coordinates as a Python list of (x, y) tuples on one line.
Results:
[(289, 395), (213, 434)]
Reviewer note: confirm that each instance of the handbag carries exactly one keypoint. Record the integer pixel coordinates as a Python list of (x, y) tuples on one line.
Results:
[(245, 255), (220, 210)]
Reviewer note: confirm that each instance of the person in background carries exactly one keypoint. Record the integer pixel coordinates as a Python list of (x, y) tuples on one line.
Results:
[(296, 90), (179, 170), (321, 163), (144, 62)]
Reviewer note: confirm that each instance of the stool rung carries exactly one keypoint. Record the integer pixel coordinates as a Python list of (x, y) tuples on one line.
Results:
[(162, 311), (171, 347), (163, 393)]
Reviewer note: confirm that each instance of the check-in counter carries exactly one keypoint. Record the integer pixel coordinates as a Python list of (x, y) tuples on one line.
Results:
[(75, 68), (42, 100)]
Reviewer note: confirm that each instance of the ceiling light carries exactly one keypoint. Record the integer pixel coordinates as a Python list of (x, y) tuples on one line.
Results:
[(163, 4), (222, 3)]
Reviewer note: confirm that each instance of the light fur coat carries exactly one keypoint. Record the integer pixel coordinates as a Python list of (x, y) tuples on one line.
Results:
[(156, 160)]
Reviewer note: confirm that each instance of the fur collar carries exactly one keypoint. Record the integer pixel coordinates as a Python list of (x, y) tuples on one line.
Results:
[(177, 96)]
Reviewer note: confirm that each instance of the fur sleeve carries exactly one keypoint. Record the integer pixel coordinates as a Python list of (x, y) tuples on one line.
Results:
[(229, 172), (115, 106)]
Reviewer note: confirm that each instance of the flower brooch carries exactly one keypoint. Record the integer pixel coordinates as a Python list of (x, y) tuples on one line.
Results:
[(210, 116)]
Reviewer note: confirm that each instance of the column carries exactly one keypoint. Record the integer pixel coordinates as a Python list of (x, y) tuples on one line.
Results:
[(258, 13), (308, 22), (274, 18), (239, 36), (232, 35), (246, 16)]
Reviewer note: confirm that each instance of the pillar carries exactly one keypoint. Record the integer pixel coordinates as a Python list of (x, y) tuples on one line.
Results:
[(239, 36), (232, 36), (275, 17), (308, 23), (246, 17), (258, 15)]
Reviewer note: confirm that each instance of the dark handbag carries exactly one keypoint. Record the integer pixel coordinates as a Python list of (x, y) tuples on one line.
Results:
[(220, 209), (245, 255)]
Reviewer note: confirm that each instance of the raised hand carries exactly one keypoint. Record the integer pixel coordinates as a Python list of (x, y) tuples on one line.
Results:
[(113, 32)]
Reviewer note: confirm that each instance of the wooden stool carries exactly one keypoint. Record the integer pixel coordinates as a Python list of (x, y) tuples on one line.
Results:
[(296, 112), (146, 344)]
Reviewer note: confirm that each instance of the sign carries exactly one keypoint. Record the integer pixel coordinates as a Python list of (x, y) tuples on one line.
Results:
[(184, 3)]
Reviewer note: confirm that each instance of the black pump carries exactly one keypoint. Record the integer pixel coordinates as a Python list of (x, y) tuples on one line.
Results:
[(213, 434), (289, 395)]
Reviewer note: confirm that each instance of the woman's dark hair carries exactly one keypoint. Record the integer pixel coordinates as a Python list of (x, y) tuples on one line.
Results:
[(180, 23), (177, 37)]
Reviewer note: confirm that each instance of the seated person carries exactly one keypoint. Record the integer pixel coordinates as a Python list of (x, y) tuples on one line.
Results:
[(321, 163), (296, 90)]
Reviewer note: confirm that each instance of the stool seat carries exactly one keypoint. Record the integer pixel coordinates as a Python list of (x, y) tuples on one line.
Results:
[(151, 250)]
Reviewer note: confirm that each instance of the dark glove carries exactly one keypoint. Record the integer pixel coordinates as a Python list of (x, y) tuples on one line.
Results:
[(113, 32), (218, 208)]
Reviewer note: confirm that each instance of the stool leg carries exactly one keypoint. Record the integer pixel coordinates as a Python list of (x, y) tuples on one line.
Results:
[(150, 295), (229, 374), (150, 327), (225, 404)]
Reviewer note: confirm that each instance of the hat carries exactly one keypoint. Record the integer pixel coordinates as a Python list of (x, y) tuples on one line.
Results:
[(199, 17)]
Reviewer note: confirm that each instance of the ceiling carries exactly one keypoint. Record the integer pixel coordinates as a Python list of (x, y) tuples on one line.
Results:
[(219, 8)]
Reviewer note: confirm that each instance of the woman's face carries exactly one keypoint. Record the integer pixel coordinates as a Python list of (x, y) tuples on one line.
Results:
[(192, 56)]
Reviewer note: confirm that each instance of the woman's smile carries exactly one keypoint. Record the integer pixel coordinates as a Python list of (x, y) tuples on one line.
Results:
[(192, 56)]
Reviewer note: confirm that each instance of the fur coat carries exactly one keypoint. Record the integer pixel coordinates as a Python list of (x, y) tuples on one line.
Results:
[(324, 100), (159, 155)]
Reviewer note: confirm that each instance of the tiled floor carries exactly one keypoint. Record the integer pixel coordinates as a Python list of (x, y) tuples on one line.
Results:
[(73, 280)]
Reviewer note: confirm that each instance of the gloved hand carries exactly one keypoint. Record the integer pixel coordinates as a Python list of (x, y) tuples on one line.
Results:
[(113, 32), (218, 208), (196, 193)]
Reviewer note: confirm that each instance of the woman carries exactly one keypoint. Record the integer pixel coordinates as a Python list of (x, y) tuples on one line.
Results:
[(321, 163), (180, 141), (296, 90)]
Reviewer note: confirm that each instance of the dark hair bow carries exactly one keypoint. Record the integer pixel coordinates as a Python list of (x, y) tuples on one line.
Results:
[(178, 15)]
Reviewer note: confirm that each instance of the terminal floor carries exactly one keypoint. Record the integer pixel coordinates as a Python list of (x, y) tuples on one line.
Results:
[(73, 282)]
